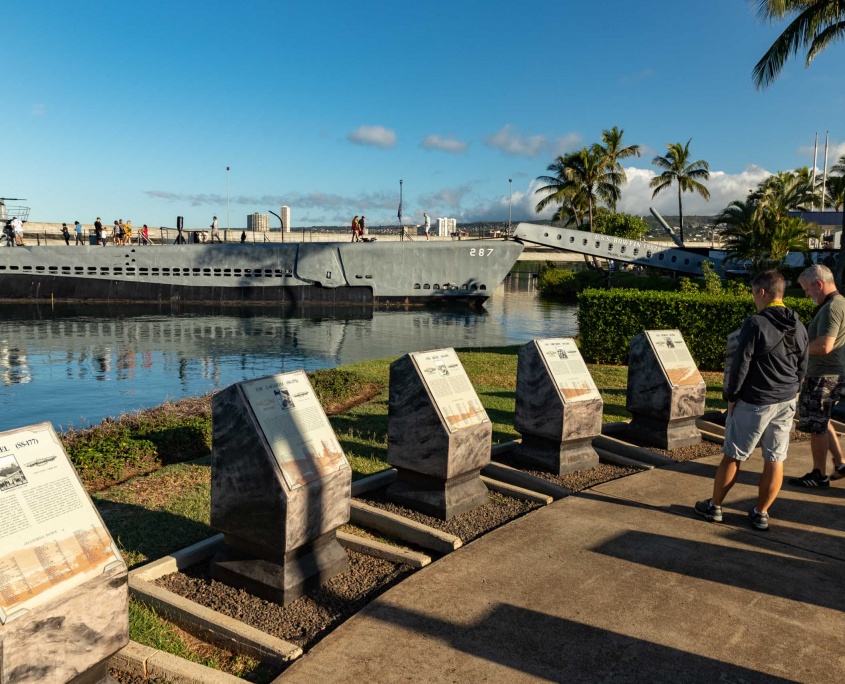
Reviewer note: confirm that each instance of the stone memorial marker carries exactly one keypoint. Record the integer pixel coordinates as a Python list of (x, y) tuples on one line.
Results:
[(665, 390), (280, 488), (438, 435), (558, 407), (64, 607)]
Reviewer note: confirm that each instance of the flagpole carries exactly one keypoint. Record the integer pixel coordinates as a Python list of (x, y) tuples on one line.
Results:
[(824, 176), (815, 163), (399, 213)]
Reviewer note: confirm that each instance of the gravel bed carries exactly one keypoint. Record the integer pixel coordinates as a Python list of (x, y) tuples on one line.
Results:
[(580, 479), (306, 620), (126, 678), (499, 510)]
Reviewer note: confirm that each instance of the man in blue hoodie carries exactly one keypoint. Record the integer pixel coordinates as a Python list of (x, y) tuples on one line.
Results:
[(761, 388)]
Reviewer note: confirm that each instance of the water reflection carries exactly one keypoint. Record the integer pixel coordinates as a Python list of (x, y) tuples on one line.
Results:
[(74, 365)]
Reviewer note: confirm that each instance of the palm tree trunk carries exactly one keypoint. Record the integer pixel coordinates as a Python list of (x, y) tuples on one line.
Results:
[(681, 213)]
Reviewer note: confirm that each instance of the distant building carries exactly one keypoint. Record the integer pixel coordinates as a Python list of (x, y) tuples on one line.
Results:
[(829, 223), (260, 223), (446, 226), (285, 214)]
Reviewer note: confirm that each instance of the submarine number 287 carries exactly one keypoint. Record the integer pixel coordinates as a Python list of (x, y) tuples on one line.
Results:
[(481, 251)]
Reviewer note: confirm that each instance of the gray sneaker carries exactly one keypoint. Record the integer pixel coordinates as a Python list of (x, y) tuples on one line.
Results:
[(759, 520), (708, 510)]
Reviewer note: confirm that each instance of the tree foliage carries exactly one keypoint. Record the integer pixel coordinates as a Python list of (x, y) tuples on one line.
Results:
[(619, 225), (814, 25)]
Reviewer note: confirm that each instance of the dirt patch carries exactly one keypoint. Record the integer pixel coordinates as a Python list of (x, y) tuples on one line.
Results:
[(467, 526), (304, 621), (581, 479)]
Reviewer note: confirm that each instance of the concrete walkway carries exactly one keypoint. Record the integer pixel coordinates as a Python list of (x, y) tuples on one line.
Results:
[(620, 583)]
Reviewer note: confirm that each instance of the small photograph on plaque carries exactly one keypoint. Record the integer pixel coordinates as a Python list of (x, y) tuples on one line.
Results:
[(52, 538), (11, 474), (296, 427), (674, 357), (453, 393), (568, 369)]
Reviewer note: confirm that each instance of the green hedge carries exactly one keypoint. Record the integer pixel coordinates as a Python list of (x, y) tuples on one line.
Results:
[(609, 319)]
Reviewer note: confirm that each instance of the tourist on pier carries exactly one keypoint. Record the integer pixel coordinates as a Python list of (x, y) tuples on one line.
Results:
[(215, 233), (8, 234), (355, 229), (98, 229), (761, 388), (825, 381), (103, 235), (243, 236), (362, 227), (145, 235), (427, 226), (127, 233), (77, 226), (66, 234)]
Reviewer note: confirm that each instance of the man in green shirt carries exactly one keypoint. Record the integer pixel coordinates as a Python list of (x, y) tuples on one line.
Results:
[(824, 383)]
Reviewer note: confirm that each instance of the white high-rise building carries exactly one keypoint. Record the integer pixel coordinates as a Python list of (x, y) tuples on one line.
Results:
[(259, 223), (446, 226), (285, 214)]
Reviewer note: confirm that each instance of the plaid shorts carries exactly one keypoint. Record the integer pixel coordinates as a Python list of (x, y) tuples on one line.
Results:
[(818, 395)]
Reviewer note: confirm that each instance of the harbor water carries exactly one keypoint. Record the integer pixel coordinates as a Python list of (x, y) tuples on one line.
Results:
[(75, 365)]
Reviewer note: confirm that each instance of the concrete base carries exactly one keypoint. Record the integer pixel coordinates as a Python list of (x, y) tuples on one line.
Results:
[(280, 580), (556, 457), (99, 674), (664, 434), (443, 499)]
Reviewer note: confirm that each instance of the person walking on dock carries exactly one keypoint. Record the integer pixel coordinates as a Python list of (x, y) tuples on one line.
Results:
[(77, 226), (215, 233), (427, 226), (98, 230), (355, 229), (765, 375), (66, 234), (145, 235)]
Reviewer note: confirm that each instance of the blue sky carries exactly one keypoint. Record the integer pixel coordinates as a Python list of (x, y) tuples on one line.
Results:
[(134, 110)]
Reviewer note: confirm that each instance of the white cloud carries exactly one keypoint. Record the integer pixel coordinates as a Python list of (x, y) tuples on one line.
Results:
[(38, 109), (435, 142), (724, 188), (373, 135), (512, 141)]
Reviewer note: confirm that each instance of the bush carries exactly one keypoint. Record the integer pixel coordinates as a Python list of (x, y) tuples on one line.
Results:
[(609, 319), (566, 284)]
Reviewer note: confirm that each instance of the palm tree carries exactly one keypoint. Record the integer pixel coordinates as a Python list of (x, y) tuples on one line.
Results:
[(613, 151), (677, 168), (583, 173), (834, 192), (784, 192), (815, 25)]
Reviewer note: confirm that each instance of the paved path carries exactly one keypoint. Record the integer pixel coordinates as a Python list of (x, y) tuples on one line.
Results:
[(620, 583)]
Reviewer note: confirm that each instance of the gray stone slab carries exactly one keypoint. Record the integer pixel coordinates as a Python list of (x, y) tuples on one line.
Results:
[(557, 425), (664, 408), (278, 538), (438, 467)]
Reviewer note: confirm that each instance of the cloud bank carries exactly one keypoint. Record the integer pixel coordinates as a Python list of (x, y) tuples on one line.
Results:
[(512, 141), (435, 142), (378, 136)]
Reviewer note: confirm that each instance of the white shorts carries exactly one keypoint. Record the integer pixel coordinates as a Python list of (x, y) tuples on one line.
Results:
[(769, 425)]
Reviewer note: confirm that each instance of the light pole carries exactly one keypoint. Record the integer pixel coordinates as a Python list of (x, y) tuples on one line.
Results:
[(227, 201), (401, 232), (510, 203)]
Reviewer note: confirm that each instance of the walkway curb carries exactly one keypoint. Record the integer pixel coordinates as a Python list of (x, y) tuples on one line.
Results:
[(150, 663)]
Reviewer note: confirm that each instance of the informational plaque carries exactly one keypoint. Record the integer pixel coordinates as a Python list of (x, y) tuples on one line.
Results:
[(295, 426), (453, 394), (674, 357), (51, 536), (568, 369)]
